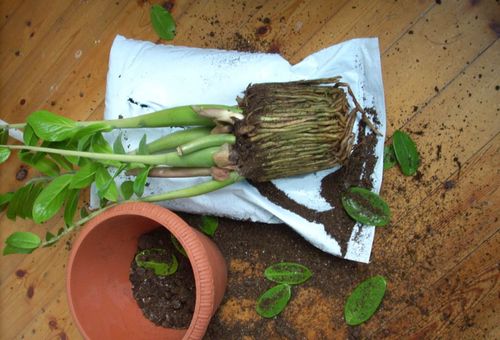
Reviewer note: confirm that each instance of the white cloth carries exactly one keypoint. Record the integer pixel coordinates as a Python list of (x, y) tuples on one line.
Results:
[(161, 76)]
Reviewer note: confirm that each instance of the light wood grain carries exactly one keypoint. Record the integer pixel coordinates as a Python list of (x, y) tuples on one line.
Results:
[(441, 77)]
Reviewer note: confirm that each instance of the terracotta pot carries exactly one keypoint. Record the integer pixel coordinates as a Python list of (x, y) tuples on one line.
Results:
[(98, 286)]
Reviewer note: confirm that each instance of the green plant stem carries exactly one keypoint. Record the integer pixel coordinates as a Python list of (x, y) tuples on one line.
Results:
[(173, 140), (199, 159), (195, 190), (205, 142), (172, 117)]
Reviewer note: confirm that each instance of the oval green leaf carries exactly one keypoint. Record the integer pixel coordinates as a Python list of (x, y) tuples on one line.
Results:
[(47, 167), (4, 154), (140, 181), (389, 157), (163, 22), (406, 153), (51, 199), (106, 185), (159, 268), (118, 146), (84, 177), (92, 129), (364, 300), (366, 207), (13, 250), (23, 240), (209, 225), (71, 206), (127, 189), (5, 200), (288, 272), (51, 127), (29, 136), (273, 301)]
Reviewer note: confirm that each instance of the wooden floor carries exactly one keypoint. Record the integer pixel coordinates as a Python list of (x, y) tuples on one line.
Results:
[(441, 70)]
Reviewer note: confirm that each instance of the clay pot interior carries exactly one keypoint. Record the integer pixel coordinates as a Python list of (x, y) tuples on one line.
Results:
[(99, 290)]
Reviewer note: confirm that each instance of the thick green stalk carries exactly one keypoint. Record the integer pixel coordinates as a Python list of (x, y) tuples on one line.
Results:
[(205, 142), (195, 190), (175, 139), (200, 159)]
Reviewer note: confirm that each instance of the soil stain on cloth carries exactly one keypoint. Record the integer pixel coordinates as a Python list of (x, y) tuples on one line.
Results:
[(167, 301)]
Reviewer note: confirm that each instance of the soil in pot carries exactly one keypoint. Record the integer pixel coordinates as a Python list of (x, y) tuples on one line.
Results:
[(167, 301)]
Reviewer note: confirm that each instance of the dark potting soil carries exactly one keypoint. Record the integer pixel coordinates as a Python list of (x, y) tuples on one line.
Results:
[(167, 301), (357, 172)]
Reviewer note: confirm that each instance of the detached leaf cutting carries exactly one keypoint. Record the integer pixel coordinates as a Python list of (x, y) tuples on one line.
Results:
[(276, 130)]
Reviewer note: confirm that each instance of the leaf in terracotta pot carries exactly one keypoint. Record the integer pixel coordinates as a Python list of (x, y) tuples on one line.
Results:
[(364, 300), (287, 272), (209, 225), (106, 185), (160, 268), (389, 157), (163, 22), (85, 176), (51, 198), (142, 149), (366, 207), (29, 136), (274, 300), (406, 153), (118, 146)]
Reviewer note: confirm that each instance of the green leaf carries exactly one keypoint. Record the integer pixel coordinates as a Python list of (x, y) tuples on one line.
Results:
[(127, 189), (23, 240), (26, 208), (209, 225), (84, 212), (92, 129), (62, 162), (50, 239), (160, 268), (389, 157), (47, 167), (85, 176), (29, 136), (84, 143), (71, 206), (16, 205), (14, 250), (163, 22), (366, 207), (106, 186), (118, 146), (287, 272), (5, 199), (364, 300), (140, 181), (143, 146), (4, 154), (177, 245), (51, 198), (273, 301), (406, 153), (51, 127), (100, 144), (4, 136)]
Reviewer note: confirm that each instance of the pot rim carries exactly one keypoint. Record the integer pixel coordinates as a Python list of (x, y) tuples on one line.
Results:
[(187, 237)]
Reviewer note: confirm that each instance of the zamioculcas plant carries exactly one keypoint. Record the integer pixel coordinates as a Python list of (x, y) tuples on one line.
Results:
[(277, 130)]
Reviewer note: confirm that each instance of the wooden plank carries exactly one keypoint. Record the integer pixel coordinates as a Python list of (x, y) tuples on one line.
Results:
[(53, 322), (7, 10), (449, 131), (383, 19), (435, 50), (438, 306), (439, 233), (478, 322)]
